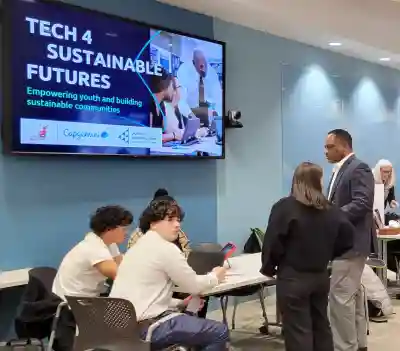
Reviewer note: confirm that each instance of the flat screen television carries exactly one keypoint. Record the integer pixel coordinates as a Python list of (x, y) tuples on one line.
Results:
[(81, 82)]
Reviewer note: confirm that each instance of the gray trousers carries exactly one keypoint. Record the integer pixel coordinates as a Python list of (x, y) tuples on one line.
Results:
[(347, 305)]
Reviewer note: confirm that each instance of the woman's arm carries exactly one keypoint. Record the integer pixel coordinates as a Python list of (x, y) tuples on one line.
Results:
[(274, 242), (391, 195)]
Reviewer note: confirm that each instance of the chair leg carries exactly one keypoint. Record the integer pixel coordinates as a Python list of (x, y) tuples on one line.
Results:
[(235, 306), (365, 299), (54, 326), (398, 270), (262, 302)]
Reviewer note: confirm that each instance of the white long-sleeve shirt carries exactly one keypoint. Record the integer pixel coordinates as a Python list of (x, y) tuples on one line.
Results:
[(148, 273), (189, 79)]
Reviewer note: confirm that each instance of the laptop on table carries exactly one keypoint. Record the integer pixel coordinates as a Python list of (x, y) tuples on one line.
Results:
[(189, 134)]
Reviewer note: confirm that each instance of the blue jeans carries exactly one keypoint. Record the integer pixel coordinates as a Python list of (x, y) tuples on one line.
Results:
[(189, 331)]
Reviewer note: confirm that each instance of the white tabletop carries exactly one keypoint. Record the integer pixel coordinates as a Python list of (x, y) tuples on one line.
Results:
[(244, 271), (9, 279)]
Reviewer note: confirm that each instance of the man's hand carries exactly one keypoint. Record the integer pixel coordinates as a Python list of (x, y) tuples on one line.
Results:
[(220, 273), (394, 204)]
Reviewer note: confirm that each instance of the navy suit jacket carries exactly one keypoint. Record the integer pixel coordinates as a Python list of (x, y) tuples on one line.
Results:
[(353, 192)]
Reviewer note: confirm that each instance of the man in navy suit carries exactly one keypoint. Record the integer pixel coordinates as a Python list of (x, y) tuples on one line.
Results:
[(351, 188)]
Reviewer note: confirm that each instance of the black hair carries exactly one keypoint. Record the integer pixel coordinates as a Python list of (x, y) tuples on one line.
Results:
[(344, 136), (158, 210), (159, 83), (160, 192), (108, 218)]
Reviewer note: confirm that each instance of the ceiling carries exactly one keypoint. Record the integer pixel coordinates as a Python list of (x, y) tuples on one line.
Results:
[(366, 29)]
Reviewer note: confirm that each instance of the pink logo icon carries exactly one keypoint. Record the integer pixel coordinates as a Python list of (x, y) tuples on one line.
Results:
[(43, 132)]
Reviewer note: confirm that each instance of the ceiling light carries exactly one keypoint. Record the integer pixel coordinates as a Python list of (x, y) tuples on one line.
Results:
[(384, 59), (335, 43)]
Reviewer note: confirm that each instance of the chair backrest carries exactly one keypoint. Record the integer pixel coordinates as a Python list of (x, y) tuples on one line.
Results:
[(42, 278), (375, 262), (104, 321), (209, 247)]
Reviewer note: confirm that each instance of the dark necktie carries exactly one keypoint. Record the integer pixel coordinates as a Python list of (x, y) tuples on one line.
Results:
[(330, 185), (201, 91)]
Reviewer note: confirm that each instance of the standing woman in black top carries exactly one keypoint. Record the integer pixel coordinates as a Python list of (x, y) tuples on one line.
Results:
[(304, 233)]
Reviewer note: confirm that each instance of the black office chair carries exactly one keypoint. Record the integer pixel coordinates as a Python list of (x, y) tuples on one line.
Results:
[(40, 309), (106, 323)]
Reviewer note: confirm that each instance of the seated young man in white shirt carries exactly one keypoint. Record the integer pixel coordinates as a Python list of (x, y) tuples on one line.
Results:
[(147, 275), (87, 266)]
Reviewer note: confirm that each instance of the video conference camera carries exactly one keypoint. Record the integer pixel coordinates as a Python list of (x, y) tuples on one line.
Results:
[(232, 119)]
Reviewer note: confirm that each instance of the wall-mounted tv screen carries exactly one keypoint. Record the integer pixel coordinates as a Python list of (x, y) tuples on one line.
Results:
[(82, 82)]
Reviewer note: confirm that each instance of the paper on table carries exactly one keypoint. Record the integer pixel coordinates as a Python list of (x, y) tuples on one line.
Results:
[(234, 272)]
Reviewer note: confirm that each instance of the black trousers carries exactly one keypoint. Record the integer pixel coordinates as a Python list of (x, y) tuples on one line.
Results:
[(303, 302)]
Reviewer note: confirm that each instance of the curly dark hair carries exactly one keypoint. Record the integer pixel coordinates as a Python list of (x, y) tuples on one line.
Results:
[(108, 218), (159, 209), (160, 192)]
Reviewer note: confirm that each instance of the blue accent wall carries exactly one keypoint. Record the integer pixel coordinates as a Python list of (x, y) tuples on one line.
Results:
[(45, 203), (291, 95)]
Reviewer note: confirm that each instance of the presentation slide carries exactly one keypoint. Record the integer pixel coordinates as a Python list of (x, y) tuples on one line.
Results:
[(88, 83)]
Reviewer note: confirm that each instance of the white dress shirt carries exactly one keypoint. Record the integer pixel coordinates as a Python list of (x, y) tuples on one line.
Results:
[(335, 171), (189, 80), (148, 273)]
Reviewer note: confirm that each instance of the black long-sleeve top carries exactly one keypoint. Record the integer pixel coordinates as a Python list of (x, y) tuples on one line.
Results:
[(304, 238), (390, 197)]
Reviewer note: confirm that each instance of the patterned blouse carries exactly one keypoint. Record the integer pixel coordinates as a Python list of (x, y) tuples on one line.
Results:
[(182, 241)]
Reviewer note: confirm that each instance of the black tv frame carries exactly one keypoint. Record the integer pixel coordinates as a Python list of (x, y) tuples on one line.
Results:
[(7, 79)]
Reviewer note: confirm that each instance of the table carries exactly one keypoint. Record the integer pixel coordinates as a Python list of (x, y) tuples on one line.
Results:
[(244, 271), (10, 279), (383, 240)]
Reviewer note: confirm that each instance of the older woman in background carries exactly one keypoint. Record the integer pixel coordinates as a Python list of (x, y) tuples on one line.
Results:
[(384, 174)]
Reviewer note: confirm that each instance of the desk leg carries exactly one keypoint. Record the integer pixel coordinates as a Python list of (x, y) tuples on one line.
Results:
[(384, 270), (262, 302), (382, 254), (224, 306), (278, 314)]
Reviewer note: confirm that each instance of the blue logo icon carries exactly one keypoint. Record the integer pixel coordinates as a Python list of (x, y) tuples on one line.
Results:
[(104, 135), (124, 136)]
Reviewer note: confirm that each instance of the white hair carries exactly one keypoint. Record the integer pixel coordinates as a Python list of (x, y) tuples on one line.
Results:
[(377, 173)]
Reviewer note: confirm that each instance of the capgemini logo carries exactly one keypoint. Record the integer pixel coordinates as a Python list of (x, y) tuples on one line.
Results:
[(78, 134)]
